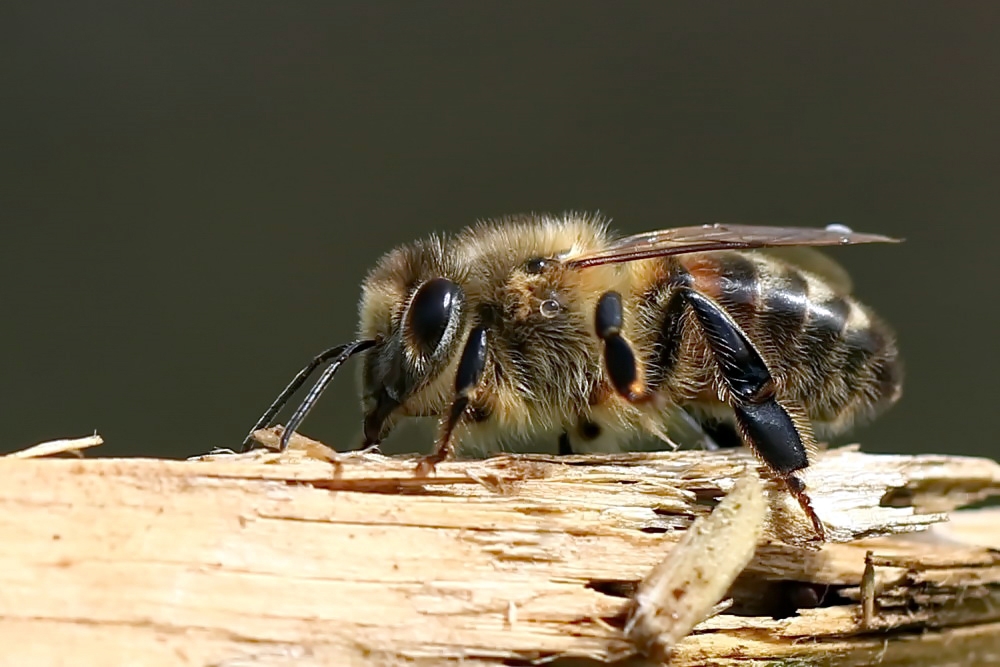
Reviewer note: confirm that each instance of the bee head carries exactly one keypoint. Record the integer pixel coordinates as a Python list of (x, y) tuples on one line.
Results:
[(415, 308)]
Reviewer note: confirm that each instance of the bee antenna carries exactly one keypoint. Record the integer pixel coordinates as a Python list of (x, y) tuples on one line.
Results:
[(339, 355)]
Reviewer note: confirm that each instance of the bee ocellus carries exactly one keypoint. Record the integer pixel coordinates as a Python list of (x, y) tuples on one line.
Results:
[(550, 326)]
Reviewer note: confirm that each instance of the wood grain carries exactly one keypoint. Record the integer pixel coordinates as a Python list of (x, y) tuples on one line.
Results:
[(257, 559)]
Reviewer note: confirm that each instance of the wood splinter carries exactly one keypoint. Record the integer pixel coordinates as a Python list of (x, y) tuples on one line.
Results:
[(686, 587)]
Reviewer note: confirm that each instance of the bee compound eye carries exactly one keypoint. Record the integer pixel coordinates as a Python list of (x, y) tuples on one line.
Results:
[(430, 311)]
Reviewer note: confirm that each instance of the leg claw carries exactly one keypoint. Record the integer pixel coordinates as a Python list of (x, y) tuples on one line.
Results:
[(427, 464)]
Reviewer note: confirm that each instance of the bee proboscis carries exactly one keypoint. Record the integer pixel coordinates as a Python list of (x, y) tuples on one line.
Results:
[(536, 325)]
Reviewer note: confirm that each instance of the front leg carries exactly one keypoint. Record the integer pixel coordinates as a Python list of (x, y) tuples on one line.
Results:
[(765, 425), (467, 377)]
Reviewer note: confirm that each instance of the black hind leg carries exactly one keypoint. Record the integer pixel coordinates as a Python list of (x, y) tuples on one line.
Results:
[(764, 423)]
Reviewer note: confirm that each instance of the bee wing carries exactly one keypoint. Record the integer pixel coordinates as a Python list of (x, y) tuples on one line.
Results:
[(704, 238)]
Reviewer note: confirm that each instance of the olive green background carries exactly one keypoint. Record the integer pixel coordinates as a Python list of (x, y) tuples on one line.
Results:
[(191, 192)]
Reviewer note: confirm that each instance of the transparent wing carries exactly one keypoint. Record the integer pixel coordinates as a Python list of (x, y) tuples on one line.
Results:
[(704, 238)]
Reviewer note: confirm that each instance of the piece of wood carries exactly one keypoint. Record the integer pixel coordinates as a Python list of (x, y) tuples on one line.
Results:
[(256, 559), (689, 584)]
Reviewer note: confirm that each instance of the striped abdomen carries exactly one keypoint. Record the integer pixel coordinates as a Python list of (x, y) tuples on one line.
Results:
[(828, 353)]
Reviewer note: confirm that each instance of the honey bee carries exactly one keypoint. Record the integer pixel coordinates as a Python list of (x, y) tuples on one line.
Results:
[(550, 325)]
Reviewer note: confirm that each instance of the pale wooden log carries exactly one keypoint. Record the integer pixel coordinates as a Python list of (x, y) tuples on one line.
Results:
[(249, 560)]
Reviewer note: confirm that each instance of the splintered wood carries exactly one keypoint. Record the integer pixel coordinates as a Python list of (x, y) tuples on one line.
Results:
[(259, 559), (680, 592)]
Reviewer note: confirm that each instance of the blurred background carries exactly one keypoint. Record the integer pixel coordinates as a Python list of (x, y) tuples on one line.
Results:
[(191, 193)]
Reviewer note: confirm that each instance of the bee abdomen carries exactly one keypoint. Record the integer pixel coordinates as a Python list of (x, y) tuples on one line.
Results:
[(829, 352), (869, 374), (838, 359)]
